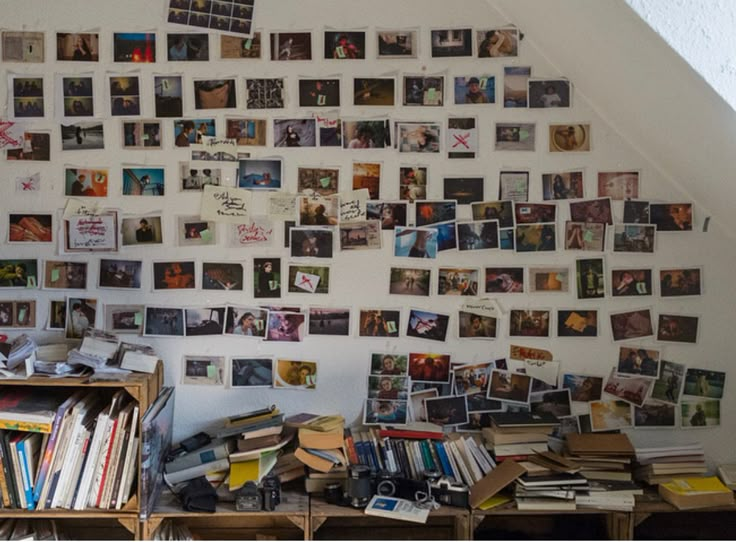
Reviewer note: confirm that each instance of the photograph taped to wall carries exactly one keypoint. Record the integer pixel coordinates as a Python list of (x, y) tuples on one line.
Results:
[(703, 413), (502, 211), (361, 235), (294, 133), (374, 91), (635, 238), (410, 281), (204, 321), (433, 212), (590, 236), (462, 139), (562, 185), (214, 94), (136, 47), (317, 210), (82, 136), (481, 235), (65, 275), (677, 328), (86, 183), (547, 93), (309, 279), (429, 368), (188, 47), (534, 213), (27, 96), (264, 93), (632, 389), (504, 280), (222, 276), (636, 212), (251, 372), (476, 326), (18, 314), (168, 95), (163, 322), (529, 323), (314, 180), (124, 319), (365, 134), (27, 47), (246, 132), (515, 83), (193, 231), (590, 278), (668, 387), (389, 364), (447, 410), (583, 388), (388, 387), (423, 90), (671, 216), (569, 137), (610, 415), (413, 182), (245, 321), (511, 388), (98, 233), (194, 176), (471, 379), (143, 181), (291, 46), (173, 275), (35, 146), (680, 282), (344, 45), (549, 279), (367, 175), (226, 16), (333, 322), (555, 402), (77, 96), (464, 190), (236, 47), (379, 322), (415, 242), (203, 370), (141, 135), (30, 228), (618, 185), (637, 361), (285, 326), (124, 274), (260, 174), (142, 230), (458, 281), (125, 95), (397, 44), (77, 47), (416, 403), (535, 238), (258, 230), (452, 42), (423, 137), (266, 277), (653, 414), (513, 186), (705, 383), (446, 235), (498, 43), (81, 315), (632, 324), (311, 243), (475, 89), (429, 325), (295, 374), (378, 411)]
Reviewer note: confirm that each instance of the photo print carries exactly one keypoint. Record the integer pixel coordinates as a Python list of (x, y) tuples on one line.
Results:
[(26, 47), (631, 282), (141, 181), (142, 230), (700, 413), (311, 243), (246, 321), (410, 281), (677, 328), (705, 383), (188, 47), (546, 93), (654, 414), (329, 129), (164, 322), (319, 92), (137, 47), (413, 183), (120, 274), (502, 211), (177, 275), (589, 236), (416, 403), (447, 410), (168, 100), (634, 361), (597, 210), (77, 47), (610, 415), (82, 136), (632, 389), (360, 235), (365, 134), (458, 281), (266, 277), (124, 319), (453, 42), (636, 238), (669, 386), (88, 183), (141, 135), (214, 94), (264, 93), (427, 325), (203, 370), (618, 185), (193, 231), (65, 275), (515, 83), (504, 280), (429, 368), (291, 46), (529, 323), (28, 99), (633, 324), (549, 279), (19, 314), (235, 17), (379, 323), (78, 97), (194, 176), (415, 242), (515, 137), (481, 235), (260, 174), (555, 402), (397, 43), (534, 213), (464, 190), (475, 89), (251, 372), (35, 146), (378, 412), (368, 175), (562, 185), (374, 91), (285, 326), (246, 132), (222, 276), (446, 235), (309, 279), (294, 133), (498, 43), (680, 282), (342, 45), (577, 323), (590, 278), (636, 212), (671, 216), (512, 388), (388, 387), (389, 364), (125, 96), (421, 90), (462, 139), (433, 212), (30, 228), (418, 137), (292, 374), (472, 325), (236, 47), (569, 137), (204, 321), (535, 238), (81, 314), (583, 388), (333, 322)]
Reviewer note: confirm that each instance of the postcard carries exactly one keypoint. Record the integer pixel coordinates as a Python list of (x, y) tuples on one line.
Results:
[(203, 370), (163, 322), (23, 46), (637, 238), (504, 280), (529, 323), (610, 415), (547, 93), (333, 322), (458, 281), (86, 182), (310, 279), (421, 90), (475, 89), (513, 388), (512, 186), (549, 279), (631, 324), (498, 43), (654, 414), (291, 46), (379, 323), (589, 236), (30, 145), (124, 319), (266, 277), (631, 282), (535, 238), (378, 411), (222, 276), (632, 389), (28, 99), (515, 86), (204, 321), (677, 328), (397, 43), (237, 47), (285, 326), (18, 314), (474, 323), (430, 368), (251, 372), (643, 362), (495, 210), (668, 387), (177, 275), (246, 321), (415, 242), (418, 137), (81, 314), (577, 323), (590, 278), (416, 403), (168, 95), (298, 375), (583, 388), (680, 282), (427, 325), (265, 93), (671, 216), (30, 228), (65, 275), (142, 230), (97, 233), (141, 135), (636, 212), (391, 214), (703, 413), (480, 235), (413, 183), (555, 402)]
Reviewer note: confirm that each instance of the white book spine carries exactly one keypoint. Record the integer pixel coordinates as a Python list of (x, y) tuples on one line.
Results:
[(132, 473), (101, 462), (460, 463), (77, 472), (63, 430), (70, 455), (127, 458), (81, 500)]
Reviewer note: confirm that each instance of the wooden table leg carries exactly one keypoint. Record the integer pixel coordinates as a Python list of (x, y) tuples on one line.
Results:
[(462, 527)]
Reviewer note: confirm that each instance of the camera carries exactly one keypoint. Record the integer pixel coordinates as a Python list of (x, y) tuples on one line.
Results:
[(434, 486), (271, 492), (253, 498)]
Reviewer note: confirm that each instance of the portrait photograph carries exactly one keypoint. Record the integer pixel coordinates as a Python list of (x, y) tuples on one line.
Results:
[(142, 230), (266, 277), (476, 326), (246, 321), (562, 185), (19, 273), (388, 387), (28, 100), (87, 183), (413, 183), (475, 89), (590, 278), (292, 374), (389, 364), (81, 315), (77, 47), (379, 323)]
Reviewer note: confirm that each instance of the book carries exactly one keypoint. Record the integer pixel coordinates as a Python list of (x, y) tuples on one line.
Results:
[(544, 504), (25, 409), (691, 493), (595, 474), (727, 474), (597, 444), (523, 419), (246, 445), (156, 431), (393, 508), (253, 416), (252, 429), (217, 449), (315, 422), (196, 471), (557, 479), (254, 454), (321, 440), (251, 471), (493, 482), (317, 462)]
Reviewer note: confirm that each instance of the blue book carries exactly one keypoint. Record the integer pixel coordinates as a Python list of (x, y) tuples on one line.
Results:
[(23, 452), (446, 465)]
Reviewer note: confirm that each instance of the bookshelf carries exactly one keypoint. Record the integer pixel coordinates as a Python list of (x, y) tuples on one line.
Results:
[(142, 388)]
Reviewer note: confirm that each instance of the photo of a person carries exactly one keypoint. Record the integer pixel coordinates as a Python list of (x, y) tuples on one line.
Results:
[(144, 233)]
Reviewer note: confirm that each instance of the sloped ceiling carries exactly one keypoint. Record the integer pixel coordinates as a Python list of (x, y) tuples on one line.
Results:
[(644, 89)]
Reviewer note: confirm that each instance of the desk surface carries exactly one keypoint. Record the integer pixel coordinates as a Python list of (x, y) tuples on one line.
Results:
[(322, 509), (292, 503)]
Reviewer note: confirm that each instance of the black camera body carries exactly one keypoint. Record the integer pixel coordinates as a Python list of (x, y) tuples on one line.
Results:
[(440, 488), (253, 498)]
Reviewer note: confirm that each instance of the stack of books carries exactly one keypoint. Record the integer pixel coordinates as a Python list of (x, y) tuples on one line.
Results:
[(601, 456), (552, 492), (321, 449), (697, 492), (662, 464), (76, 452), (518, 435)]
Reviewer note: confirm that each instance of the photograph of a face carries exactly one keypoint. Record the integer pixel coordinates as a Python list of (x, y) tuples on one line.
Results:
[(88, 183), (677, 328), (204, 321), (413, 183), (260, 174), (447, 410), (415, 242), (585, 236), (365, 134), (291, 46), (214, 94), (120, 273), (28, 97), (427, 325), (285, 326), (504, 280), (341, 45), (30, 228), (143, 181), (81, 314), (618, 185), (610, 415), (476, 326), (569, 137), (266, 277), (549, 279), (562, 185), (548, 93), (168, 94), (515, 137), (458, 281), (301, 375), (379, 323), (374, 91), (142, 230), (536, 238), (680, 282), (700, 413), (631, 324), (264, 93), (251, 372), (498, 43), (513, 388), (671, 216), (140, 135), (388, 387), (203, 370), (529, 323), (654, 414), (389, 364), (125, 96), (419, 90), (638, 362), (65, 275), (583, 388), (475, 89), (481, 235), (164, 321), (77, 47), (246, 321), (188, 47), (333, 322), (631, 282), (577, 323), (134, 47), (590, 278), (237, 47), (378, 411), (452, 42), (502, 211), (178, 275)]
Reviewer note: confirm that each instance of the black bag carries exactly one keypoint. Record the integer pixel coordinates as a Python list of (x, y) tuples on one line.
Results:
[(198, 496)]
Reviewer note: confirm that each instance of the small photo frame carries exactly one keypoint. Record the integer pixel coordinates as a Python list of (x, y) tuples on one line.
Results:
[(251, 372), (504, 280), (124, 319), (634, 324), (429, 368), (423, 324), (285, 326), (204, 321), (332, 322), (163, 322), (447, 410), (703, 413), (65, 275), (583, 388), (246, 321), (379, 323), (671, 216), (677, 328), (203, 370), (142, 230), (297, 375), (569, 138), (631, 282), (395, 44), (681, 282), (415, 242), (634, 238), (610, 415), (590, 278), (637, 361), (530, 323), (193, 231), (30, 228), (511, 388), (588, 236), (173, 275), (379, 412), (577, 323)]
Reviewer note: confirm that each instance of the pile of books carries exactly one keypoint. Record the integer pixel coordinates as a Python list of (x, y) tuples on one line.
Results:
[(602, 456), (517, 435), (321, 449), (556, 491), (697, 492), (661, 464), (73, 452)]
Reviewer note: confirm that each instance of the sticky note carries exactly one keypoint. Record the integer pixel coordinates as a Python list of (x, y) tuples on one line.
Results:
[(325, 182), (54, 275), (138, 318), (22, 314), (31, 282), (211, 371), (391, 325), (321, 99), (340, 51), (248, 44), (431, 94), (559, 277), (588, 236), (206, 235)]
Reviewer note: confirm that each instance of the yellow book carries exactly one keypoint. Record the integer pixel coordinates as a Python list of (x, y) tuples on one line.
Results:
[(697, 486), (35, 427), (492, 502), (251, 471), (696, 492)]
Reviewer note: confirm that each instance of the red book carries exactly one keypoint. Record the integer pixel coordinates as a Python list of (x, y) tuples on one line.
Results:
[(407, 433)]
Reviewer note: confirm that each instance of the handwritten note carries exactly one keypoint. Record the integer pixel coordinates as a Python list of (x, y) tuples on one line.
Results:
[(526, 352), (353, 205), (213, 148), (282, 206), (11, 135), (483, 307), (327, 120), (546, 371), (259, 230), (225, 204), (75, 207), (92, 232)]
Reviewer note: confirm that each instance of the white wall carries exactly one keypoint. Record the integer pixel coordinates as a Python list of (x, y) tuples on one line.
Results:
[(361, 279)]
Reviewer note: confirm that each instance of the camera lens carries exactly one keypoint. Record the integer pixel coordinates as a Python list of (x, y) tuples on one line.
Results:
[(333, 493)]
